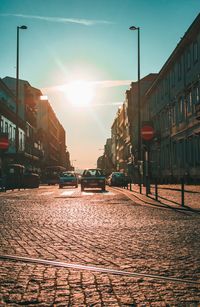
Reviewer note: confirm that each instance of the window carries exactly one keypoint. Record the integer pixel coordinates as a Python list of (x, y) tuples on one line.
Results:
[(180, 109), (14, 133), (166, 86), (6, 127), (162, 90), (10, 132), (20, 141), (195, 52), (177, 112), (1, 127), (27, 131), (196, 95), (173, 78), (179, 70), (188, 59), (189, 101), (173, 115)]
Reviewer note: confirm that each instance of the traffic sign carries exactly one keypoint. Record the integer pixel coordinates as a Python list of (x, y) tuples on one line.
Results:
[(147, 132), (4, 142)]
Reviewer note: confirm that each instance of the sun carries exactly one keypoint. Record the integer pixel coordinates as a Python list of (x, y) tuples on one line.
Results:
[(79, 93)]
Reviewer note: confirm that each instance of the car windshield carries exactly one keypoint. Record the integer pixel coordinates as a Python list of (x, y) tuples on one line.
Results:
[(67, 175), (93, 172), (118, 174)]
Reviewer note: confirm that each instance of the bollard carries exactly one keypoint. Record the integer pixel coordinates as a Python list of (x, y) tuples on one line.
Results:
[(147, 186), (156, 189), (140, 185), (182, 193)]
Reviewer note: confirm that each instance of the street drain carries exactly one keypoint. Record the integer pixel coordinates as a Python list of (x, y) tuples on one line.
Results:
[(95, 269)]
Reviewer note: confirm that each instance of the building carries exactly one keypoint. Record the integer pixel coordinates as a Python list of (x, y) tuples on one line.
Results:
[(53, 136), (8, 125), (170, 103), (124, 130), (42, 139), (105, 161), (28, 151), (174, 104), (115, 143)]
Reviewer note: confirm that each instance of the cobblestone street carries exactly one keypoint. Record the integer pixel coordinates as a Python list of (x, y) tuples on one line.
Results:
[(103, 230)]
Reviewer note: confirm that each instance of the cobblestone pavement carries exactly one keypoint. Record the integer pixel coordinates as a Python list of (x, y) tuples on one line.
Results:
[(100, 229)]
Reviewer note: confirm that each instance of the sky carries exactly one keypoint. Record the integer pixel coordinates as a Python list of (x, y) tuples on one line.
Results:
[(82, 55)]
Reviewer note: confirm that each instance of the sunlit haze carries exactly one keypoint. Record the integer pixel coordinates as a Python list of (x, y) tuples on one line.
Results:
[(79, 93), (82, 55)]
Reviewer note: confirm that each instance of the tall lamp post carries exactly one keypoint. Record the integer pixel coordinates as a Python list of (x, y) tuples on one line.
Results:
[(72, 161), (133, 28), (17, 90)]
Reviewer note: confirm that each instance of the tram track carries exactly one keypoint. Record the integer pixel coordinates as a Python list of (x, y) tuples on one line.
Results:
[(95, 269)]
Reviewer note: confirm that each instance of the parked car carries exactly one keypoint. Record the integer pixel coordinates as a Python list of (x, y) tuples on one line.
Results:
[(118, 179), (93, 178), (16, 177), (68, 179)]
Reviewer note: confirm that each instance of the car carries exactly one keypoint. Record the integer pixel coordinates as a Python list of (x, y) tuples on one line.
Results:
[(68, 179), (117, 179), (93, 178)]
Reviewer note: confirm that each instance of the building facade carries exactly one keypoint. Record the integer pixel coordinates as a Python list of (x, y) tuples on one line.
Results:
[(170, 103), (27, 152), (53, 136), (41, 137), (173, 102)]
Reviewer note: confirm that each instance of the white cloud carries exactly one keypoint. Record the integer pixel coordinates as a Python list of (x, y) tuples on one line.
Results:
[(112, 83), (85, 22), (100, 84)]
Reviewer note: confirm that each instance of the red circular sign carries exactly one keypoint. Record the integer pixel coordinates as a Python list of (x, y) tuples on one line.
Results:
[(147, 132), (4, 143)]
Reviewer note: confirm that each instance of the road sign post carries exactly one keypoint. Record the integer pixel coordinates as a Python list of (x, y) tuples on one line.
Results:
[(147, 134)]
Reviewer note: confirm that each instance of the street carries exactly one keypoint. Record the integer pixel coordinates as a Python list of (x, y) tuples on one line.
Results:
[(105, 230)]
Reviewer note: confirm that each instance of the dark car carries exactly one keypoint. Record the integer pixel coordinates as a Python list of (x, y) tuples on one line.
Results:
[(93, 178), (68, 179), (118, 179)]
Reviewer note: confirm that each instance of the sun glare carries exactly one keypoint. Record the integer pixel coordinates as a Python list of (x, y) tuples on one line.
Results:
[(79, 93)]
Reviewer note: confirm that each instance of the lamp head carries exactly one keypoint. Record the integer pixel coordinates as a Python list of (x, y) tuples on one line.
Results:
[(23, 27), (133, 28)]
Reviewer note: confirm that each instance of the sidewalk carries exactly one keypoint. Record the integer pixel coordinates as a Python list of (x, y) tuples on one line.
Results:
[(168, 196)]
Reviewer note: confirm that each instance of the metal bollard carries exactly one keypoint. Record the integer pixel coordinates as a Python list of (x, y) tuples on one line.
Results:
[(182, 192), (156, 189)]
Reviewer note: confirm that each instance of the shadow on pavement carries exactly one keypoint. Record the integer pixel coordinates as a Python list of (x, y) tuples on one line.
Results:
[(184, 210)]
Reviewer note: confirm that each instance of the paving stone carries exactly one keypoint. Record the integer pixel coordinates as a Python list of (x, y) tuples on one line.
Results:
[(98, 230)]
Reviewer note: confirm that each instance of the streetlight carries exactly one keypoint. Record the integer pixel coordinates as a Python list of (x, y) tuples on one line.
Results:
[(133, 28), (17, 90), (72, 164)]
